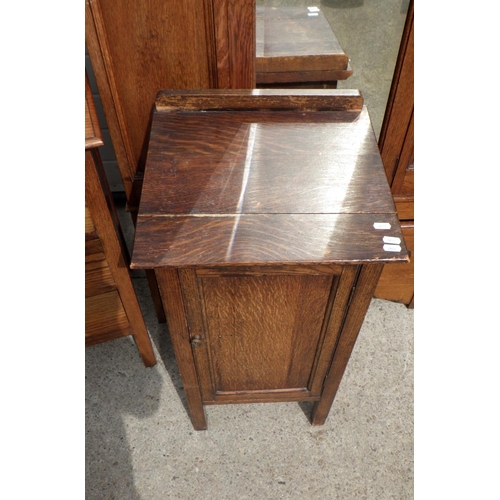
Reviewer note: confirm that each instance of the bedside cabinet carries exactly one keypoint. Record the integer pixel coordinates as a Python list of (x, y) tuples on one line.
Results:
[(267, 219)]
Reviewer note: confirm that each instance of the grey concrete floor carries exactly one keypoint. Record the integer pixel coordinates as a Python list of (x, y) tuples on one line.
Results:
[(139, 440), (140, 443)]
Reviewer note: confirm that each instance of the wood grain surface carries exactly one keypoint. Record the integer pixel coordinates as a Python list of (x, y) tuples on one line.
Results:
[(261, 185), (397, 152), (405, 206), (264, 337), (149, 46), (259, 99), (166, 241), (105, 318), (263, 331), (171, 293), (137, 48), (299, 79), (338, 304), (98, 277), (89, 225), (234, 22), (399, 112), (264, 163)]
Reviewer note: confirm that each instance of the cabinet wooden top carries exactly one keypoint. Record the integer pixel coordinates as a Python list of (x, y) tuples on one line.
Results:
[(296, 39), (263, 177)]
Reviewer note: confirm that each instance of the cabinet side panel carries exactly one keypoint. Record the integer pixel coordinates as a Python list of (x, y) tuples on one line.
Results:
[(357, 307), (397, 281), (263, 331)]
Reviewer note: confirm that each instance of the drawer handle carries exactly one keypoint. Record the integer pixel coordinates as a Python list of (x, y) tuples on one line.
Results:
[(196, 341)]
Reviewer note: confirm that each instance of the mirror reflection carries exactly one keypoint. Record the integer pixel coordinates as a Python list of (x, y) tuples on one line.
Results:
[(349, 44)]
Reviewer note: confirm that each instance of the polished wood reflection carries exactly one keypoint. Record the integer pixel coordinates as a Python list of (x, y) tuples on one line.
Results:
[(263, 239), (258, 185), (264, 163), (295, 39)]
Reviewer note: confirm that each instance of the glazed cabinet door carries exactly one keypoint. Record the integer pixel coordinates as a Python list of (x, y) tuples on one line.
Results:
[(263, 335)]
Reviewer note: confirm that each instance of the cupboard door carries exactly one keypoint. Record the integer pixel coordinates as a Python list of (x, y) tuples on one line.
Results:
[(263, 337)]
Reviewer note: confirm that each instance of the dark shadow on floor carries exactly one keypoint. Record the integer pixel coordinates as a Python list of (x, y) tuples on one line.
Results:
[(306, 407), (158, 331), (116, 383), (160, 336)]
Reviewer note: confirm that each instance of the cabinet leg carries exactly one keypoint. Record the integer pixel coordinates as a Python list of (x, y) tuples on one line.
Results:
[(198, 418), (171, 294), (363, 293)]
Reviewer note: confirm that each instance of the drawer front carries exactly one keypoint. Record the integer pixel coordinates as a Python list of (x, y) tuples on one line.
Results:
[(105, 318), (89, 223), (98, 276)]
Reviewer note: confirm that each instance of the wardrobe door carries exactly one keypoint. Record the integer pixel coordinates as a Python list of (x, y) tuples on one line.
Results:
[(139, 48), (397, 151)]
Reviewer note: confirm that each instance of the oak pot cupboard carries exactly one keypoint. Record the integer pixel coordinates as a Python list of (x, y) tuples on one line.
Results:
[(267, 219)]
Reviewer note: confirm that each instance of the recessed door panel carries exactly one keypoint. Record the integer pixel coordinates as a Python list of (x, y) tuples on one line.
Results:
[(263, 331)]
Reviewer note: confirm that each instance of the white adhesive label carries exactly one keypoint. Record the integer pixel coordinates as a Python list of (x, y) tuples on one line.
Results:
[(381, 225), (312, 14), (313, 9), (392, 239), (392, 248)]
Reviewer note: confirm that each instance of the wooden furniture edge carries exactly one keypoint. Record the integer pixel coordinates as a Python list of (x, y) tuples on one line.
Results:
[(102, 221), (258, 99), (93, 140), (392, 136), (98, 48), (277, 77)]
